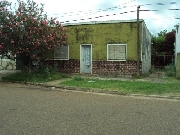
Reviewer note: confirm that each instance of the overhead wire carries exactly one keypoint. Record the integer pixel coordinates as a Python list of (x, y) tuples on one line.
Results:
[(113, 8), (100, 16), (165, 18), (90, 12)]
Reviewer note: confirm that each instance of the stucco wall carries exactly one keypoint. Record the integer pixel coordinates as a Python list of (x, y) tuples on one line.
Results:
[(7, 64), (177, 43), (146, 49), (101, 34), (178, 66)]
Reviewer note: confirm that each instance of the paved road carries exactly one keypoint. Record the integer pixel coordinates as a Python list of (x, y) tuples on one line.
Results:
[(33, 110)]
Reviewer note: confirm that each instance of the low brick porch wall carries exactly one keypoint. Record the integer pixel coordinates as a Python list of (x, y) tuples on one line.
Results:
[(66, 66), (114, 67), (98, 67)]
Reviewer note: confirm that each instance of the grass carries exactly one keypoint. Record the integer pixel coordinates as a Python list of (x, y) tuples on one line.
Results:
[(169, 86), (33, 77), (129, 87)]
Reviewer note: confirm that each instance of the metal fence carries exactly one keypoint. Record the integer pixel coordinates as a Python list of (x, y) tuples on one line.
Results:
[(160, 61)]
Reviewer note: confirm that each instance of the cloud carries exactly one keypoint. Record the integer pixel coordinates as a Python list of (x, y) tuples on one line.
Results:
[(156, 21), (102, 10), (163, 18), (105, 4)]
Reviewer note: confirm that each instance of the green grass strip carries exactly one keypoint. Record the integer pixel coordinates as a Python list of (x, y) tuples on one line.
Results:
[(32, 77), (130, 87)]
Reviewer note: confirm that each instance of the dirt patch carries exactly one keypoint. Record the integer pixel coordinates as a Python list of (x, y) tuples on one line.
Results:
[(56, 82), (155, 77)]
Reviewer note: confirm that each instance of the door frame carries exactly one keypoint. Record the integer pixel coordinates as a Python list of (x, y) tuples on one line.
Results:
[(81, 56)]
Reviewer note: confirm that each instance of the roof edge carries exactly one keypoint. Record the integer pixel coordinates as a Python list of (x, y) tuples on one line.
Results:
[(103, 22)]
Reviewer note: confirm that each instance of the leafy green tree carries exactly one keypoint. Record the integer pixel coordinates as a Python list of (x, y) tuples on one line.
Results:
[(163, 44), (162, 33), (27, 32), (157, 45), (5, 30), (169, 43)]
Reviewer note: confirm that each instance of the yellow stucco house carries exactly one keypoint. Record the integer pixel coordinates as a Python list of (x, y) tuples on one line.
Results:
[(105, 47)]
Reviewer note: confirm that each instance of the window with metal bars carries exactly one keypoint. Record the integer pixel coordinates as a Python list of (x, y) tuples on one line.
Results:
[(62, 52), (116, 52)]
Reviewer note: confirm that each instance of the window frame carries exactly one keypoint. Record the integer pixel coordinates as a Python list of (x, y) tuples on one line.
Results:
[(61, 58), (117, 59)]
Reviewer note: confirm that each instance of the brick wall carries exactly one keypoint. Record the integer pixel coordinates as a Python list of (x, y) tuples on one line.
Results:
[(66, 66), (98, 67), (114, 67)]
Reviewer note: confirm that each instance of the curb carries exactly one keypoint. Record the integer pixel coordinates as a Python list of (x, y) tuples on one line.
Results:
[(80, 89), (93, 90), (113, 92), (156, 96)]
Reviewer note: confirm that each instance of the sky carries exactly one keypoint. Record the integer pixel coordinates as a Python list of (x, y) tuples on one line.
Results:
[(160, 17)]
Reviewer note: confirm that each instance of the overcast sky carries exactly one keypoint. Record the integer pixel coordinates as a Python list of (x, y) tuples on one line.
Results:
[(103, 10)]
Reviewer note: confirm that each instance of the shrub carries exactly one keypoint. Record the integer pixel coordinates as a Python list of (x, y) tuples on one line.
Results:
[(78, 78), (170, 70), (137, 75)]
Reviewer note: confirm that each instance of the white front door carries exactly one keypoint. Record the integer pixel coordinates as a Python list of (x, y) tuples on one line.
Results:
[(86, 58)]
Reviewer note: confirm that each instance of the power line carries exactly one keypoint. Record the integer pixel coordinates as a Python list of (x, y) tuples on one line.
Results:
[(148, 10), (90, 12), (111, 8), (101, 16), (174, 9), (171, 18), (99, 10), (107, 15)]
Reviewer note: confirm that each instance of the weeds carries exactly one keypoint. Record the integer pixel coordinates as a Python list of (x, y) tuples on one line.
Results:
[(78, 78), (125, 86), (44, 75), (170, 70), (137, 76)]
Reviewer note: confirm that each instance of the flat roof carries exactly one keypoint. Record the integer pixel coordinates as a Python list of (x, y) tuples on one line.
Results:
[(102, 22)]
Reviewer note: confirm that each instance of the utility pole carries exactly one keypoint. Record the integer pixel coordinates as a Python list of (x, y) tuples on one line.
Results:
[(138, 42)]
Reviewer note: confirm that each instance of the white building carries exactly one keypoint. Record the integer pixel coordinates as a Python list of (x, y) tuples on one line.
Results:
[(7, 63), (177, 42)]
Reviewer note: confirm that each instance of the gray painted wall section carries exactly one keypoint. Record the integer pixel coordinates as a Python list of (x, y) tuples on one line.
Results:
[(177, 42), (146, 49)]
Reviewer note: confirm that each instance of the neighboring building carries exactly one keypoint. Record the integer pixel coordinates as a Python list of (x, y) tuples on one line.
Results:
[(177, 51), (177, 42), (6, 63), (107, 47)]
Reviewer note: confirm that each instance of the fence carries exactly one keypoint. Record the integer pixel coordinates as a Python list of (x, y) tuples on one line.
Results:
[(160, 61)]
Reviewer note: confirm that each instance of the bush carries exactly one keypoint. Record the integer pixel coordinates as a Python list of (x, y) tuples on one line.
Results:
[(34, 76), (170, 70), (78, 78), (137, 75)]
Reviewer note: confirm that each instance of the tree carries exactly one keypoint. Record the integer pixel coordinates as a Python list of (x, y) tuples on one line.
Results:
[(169, 43), (28, 32), (163, 43), (162, 33), (157, 45), (5, 30)]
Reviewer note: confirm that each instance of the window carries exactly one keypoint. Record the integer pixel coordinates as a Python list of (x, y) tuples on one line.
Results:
[(116, 52), (62, 52)]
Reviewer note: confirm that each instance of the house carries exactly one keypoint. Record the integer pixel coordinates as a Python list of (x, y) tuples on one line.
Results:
[(105, 47), (177, 51), (7, 63)]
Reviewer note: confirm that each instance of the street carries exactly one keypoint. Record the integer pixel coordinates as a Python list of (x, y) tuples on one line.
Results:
[(35, 110)]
